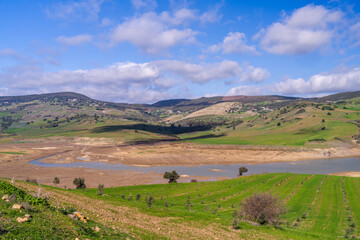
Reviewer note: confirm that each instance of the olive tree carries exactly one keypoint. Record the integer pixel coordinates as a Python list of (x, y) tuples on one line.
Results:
[(172, 176)]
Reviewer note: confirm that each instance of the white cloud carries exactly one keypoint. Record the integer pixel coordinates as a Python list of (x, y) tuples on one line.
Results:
[(254, 74), (74, 40), (306, 30), (211, 15), (355, 34), (234, 42), (200, 73), (149, 4), (244, 90), (129, 81), (345, 80), (153, 33), (106, 22), (9, 52), (85, 10)]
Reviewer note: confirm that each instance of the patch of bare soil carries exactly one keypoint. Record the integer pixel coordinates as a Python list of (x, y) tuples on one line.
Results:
[(346, 174)]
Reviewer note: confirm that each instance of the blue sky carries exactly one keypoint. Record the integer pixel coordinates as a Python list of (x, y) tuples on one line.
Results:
[(146, 50)]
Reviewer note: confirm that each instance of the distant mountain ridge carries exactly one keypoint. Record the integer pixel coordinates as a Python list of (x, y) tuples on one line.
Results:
[(173, 103)]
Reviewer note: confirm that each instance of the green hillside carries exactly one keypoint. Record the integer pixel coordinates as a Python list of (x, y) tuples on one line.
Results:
[(318, 207), (267, 120)]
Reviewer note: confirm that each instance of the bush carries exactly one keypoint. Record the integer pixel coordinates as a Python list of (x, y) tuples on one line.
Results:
[(263, 208), (56, 180), (79, 183), (242, 170), (149, 200), (100, 189)]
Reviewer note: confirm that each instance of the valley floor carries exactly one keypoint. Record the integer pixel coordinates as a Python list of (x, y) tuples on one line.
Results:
[(15, 158)]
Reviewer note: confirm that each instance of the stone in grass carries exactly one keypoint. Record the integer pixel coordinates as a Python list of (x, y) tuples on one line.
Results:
[(23, 219), (5, 197), (96, 229), (17, 206)]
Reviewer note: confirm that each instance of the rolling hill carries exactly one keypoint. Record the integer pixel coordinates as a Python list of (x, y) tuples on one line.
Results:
[(254, 120)]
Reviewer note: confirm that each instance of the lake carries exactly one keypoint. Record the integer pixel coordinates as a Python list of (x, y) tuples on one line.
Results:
[(308, 167)]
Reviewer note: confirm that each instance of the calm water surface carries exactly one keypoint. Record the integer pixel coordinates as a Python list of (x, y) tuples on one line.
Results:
[(308, 167)]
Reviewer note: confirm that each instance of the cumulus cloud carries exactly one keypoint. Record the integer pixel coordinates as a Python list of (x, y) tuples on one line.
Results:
[(345, 80), (154, 33), (200, 73), (85, 10), (244, 90), (254, 74), (74, 40), (127, 81), (306, 30), (234, 42)]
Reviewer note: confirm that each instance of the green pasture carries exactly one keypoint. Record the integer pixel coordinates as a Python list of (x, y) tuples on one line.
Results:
[(316, 206)]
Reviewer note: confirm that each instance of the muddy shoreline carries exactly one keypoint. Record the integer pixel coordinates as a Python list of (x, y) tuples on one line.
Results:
[(161, 154)]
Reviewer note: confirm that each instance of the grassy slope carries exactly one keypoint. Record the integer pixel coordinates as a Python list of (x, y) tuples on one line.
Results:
[(318, 196), (295, 129), (49, 223)]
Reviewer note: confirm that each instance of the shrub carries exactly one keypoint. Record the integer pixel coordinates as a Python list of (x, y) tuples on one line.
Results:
[(263, 208), (79, 183), (138, 196), (100, 189), (242, 170), (172, 176), (56, 180), (150, 200)]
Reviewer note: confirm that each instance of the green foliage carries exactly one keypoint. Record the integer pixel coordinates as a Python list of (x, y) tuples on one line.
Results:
[(79, 183), (100, 189), (150, 200), (21, 195), (56, 180), (172, 176), (242, 170)]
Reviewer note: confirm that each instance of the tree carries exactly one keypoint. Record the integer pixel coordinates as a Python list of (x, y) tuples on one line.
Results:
[(242, 170), (79, 183), (263, 208), (172, 176), (56, 180)]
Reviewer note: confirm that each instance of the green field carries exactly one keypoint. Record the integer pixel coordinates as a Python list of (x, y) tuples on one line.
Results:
[(318, 206)]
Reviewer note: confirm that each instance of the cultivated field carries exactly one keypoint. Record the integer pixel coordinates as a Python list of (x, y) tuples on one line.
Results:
[(318, 207)]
